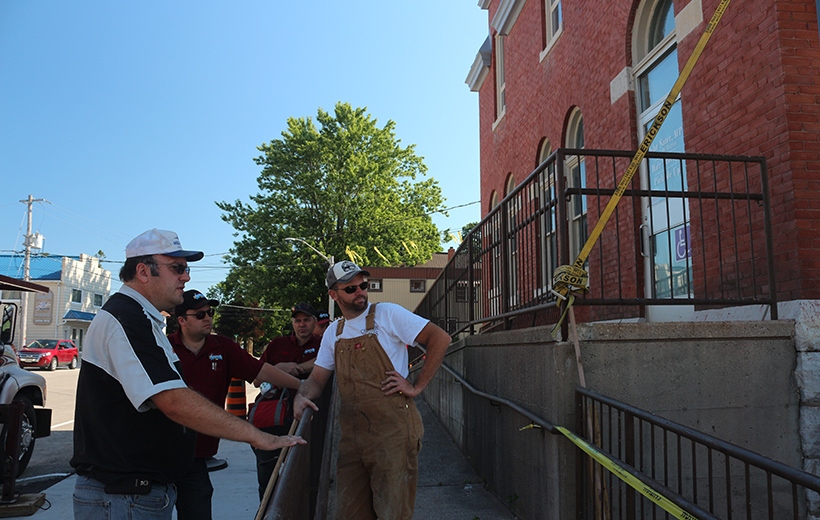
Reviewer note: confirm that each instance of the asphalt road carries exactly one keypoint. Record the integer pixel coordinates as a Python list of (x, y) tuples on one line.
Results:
[(49, 462)]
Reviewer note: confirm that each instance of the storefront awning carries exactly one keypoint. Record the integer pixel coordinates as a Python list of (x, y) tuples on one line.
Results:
[(79, 316), (8, 283)]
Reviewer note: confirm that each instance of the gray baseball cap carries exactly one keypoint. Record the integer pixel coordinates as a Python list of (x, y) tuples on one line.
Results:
[(343, 272)]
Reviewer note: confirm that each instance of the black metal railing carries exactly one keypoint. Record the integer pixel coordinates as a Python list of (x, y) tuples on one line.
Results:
[(696, 231), (720, 478)]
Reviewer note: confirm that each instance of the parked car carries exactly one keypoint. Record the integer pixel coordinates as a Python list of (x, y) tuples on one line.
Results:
[(49, 354), (18, 385)]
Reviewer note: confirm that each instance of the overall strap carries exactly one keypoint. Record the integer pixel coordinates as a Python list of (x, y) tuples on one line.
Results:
[(340, 327), (370, 324)]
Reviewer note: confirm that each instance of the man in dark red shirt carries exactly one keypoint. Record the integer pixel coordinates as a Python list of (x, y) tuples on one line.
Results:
[(209, 362), (293, 354)]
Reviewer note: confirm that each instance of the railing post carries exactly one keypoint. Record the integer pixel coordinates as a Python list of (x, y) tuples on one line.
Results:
[(505, 264), (446, 295), (470, 281), (561, 208), (767, 225), (629, 458)]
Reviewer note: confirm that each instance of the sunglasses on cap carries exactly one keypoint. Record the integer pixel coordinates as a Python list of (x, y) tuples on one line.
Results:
[(200, 315), (350, 289)]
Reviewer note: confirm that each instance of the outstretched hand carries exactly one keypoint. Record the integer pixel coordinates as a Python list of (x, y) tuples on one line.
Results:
[(396, 383), (274, 442)]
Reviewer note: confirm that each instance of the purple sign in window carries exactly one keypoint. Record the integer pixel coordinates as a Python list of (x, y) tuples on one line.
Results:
[(683, 243)]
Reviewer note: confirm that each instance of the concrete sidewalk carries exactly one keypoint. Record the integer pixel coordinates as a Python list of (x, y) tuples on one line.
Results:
[(448, 488)]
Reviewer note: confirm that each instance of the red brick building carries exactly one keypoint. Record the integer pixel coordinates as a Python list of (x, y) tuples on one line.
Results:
[(568, 74)]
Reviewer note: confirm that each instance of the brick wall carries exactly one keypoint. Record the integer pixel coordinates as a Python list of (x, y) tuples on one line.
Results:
[(755, 91)]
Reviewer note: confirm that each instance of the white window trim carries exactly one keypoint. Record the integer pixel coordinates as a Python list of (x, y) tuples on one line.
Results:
[(551, 38), (500, 117), (551, 43), (80, 291), (500, 79)]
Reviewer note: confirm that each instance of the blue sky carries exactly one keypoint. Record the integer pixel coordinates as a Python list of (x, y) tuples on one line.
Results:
[(131, 115)]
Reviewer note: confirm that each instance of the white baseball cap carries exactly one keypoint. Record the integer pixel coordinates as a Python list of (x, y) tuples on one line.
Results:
[(343, 272), (160, 242)]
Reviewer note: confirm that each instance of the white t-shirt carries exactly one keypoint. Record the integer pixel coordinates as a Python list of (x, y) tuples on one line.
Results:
[(396, 327)]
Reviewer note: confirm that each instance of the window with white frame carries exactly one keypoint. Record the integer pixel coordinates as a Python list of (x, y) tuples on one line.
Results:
[(500, 83), (577, 209), (98, 300), (553, 21), (76, 296), (374, 284), (11, 295)]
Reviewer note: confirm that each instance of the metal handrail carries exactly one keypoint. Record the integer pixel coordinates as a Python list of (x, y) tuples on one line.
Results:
[(789, 473), (503, 268), (536, 420)]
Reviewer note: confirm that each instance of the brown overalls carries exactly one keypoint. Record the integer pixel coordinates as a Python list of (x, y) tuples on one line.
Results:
[(381, 436)]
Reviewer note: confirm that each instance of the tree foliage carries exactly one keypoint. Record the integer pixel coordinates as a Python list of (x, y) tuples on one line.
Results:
[(347, 188)]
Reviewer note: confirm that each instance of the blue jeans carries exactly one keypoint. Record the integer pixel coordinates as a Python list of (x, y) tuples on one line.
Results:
[(91, 502)]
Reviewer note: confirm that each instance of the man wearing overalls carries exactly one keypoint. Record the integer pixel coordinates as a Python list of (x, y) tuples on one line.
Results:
[(381, 428)]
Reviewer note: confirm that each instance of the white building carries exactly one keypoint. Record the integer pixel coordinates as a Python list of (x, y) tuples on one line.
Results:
[(78, 287)]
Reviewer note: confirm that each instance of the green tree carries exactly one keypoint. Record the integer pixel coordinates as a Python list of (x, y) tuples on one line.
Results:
[(346, 187)]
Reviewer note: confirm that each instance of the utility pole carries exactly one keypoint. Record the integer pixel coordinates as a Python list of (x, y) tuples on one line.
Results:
[(329, 261), (26, 265)]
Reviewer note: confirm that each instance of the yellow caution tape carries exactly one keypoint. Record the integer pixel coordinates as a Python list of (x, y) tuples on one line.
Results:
[(661, 501), (562, 279)]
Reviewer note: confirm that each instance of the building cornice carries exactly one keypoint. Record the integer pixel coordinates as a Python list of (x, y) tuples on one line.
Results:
[(481, 66), (506, 15)]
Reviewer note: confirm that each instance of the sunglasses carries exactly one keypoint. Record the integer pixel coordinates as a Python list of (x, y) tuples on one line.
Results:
[(200, 315), (350, 289), (179, 269)]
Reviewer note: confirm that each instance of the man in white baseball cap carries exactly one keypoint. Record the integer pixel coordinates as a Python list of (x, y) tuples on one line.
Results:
[(381, 429), (135, 418), (160, 242)]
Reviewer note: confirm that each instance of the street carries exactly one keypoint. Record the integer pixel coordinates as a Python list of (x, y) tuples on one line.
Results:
[(49, 462)]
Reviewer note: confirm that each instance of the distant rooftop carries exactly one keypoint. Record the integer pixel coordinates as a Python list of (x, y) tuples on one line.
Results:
[(79, 316), (41, 267)]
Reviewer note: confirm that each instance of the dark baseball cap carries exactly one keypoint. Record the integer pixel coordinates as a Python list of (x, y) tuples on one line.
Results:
[(323, 317), (193, 300), (303, 308)]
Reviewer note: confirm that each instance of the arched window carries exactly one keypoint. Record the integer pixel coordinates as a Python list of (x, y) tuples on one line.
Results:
[(544, 151), (577, 210), (514, 214), (493, 200), (666, 219), (509, 186)]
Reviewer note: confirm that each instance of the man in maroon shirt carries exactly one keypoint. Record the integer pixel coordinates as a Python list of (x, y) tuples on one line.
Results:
[(209, 362), (293, 354)]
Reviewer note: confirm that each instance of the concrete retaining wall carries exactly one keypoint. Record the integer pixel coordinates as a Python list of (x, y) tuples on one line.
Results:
[(733, 380)]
